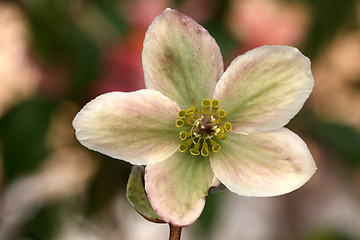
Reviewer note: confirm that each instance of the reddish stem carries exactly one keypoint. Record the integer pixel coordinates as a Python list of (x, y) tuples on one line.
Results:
[(175, 232)]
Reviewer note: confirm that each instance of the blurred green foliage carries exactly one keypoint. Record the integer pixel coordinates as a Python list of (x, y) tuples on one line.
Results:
[(338, 138), (111, 179), (45, 224), (58, 40), (24, 135), (329, 235), (330, 16)]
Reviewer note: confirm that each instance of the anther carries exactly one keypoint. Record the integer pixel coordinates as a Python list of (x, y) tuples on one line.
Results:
[(222, 113), (184, 135), (190, 111), (182, 114), (214, 106), (195, 150), (204, 149), (222, 135), (206, 105), (193, 109), (222, 116), (179, 123), (182, 147), (227, 127), (214, 146)]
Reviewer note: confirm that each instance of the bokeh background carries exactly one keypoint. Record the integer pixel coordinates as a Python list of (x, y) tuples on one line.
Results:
[(56, 55)]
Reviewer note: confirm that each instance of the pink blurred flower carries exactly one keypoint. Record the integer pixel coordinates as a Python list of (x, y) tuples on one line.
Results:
[(261, 22), (140, 13), (199, 10), (122, 65)]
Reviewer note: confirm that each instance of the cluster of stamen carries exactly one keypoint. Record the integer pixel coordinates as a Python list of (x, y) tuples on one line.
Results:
[(206, 127)]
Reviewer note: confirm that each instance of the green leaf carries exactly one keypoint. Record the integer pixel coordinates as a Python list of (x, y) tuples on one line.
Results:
[(137, 196)]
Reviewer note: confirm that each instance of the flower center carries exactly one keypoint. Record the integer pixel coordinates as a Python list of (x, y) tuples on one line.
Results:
[(204, 128)]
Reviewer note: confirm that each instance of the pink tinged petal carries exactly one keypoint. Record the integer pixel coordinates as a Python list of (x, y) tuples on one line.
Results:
[(178, 186), (138, 127), (264, 88), (263, 164), (181, 59)]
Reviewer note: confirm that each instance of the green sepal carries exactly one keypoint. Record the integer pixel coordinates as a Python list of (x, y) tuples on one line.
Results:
[(136, 195)]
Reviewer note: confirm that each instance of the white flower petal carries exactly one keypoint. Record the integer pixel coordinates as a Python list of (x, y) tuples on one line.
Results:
[(138, 127), (178, 186), (263, 164), (264, 88), (181, 59)]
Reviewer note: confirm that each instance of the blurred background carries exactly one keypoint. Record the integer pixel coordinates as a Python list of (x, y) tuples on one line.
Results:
[(56, 55)]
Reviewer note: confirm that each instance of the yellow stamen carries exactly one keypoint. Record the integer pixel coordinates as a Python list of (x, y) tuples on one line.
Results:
[(206, 105), (188, 142), (222, 135), (202, 127), (204, 149), (222, 113), (179, 123), (182, 114), (182, 147), (227, 126), (214, 106), (190, 116), (214, 146), (187, 121), (184, 135), (222, 116), (195, 149), (194, 152), (193, 109)]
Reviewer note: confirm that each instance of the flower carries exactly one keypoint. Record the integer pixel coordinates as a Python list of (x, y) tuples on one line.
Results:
[(234, 120), (259, 22), (122, 62)]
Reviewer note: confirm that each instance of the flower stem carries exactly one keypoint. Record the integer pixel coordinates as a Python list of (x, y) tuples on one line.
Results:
[(175, 232)]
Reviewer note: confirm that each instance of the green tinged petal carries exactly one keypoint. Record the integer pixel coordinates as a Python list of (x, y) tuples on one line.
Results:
[(137, 197), (181, 59), (264, 88), (178, 186), (137, 127), (263, 164)]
